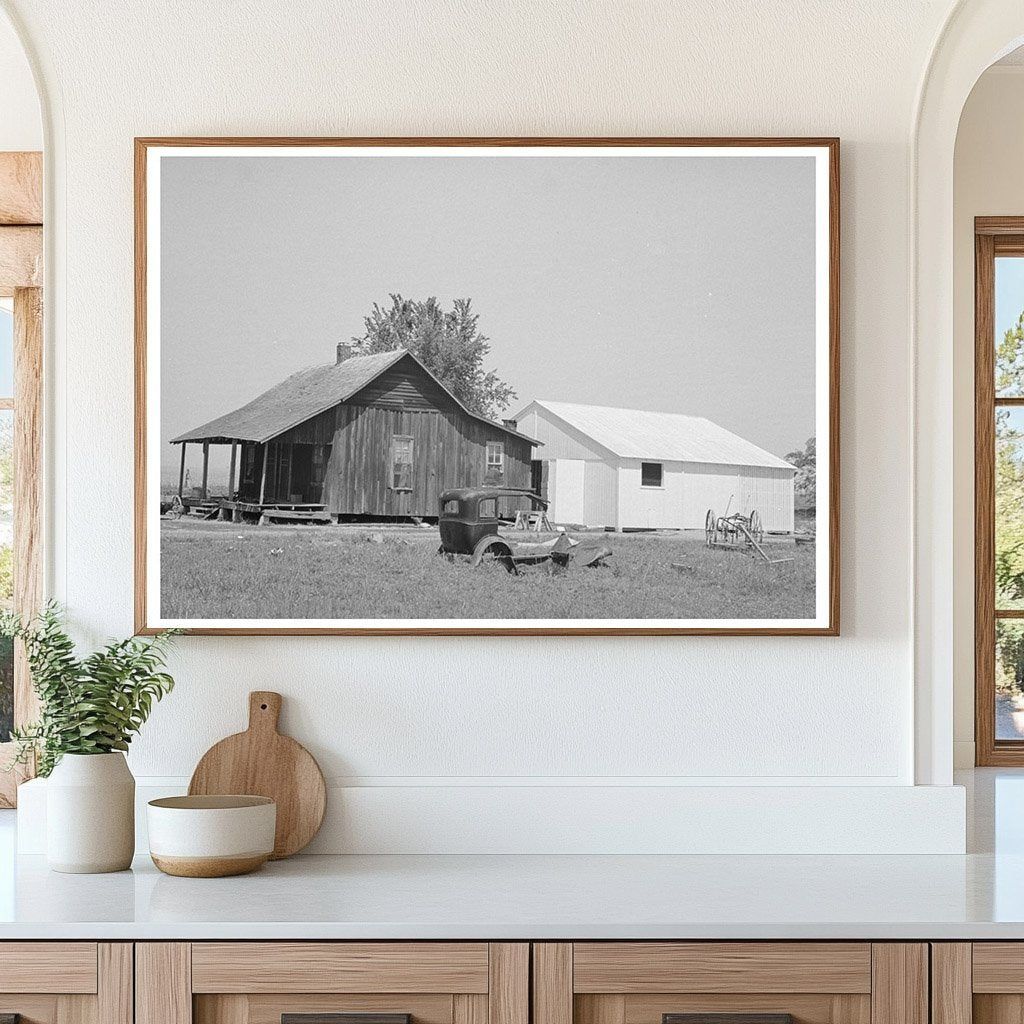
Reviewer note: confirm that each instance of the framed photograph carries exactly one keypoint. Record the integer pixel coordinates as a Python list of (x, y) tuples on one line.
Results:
[(487, 386)]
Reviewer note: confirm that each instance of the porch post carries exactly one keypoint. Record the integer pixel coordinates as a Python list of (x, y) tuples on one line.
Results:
[(206, 465), (181, 474), (231, 472), (263, 475)]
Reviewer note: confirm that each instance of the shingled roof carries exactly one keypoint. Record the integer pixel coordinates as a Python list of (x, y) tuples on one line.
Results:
[(306, 394)]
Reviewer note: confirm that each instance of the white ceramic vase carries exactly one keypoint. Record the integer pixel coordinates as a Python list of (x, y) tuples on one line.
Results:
[(90, 814)]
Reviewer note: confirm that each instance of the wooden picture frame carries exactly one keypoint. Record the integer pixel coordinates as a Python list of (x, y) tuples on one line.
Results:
[(152, 153)]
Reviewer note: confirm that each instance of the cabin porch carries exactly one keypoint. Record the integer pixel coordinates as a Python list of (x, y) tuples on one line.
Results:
[(282, 475)]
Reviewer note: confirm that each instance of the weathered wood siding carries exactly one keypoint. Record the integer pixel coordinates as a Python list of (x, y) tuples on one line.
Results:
[(449, 450), (355, 438)]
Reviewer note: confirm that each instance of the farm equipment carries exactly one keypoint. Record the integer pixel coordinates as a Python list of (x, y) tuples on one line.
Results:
[(469, 521), (738, 532)]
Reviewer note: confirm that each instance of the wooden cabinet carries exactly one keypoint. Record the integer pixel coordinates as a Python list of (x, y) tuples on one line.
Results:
[(263, 982), (494, 983), (66, 982), (758, 982), (978, 983)]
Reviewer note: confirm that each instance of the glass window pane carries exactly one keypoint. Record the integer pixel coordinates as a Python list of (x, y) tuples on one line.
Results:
[(6, 353), (6, 567), (1009, 327), (1009, 679), (401, 452), (1009, 522)]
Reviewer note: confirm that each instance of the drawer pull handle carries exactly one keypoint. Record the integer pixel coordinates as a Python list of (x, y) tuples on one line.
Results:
[(727, 1018), (340, 1018)]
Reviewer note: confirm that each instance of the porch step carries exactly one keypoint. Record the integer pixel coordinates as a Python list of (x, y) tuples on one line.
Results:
[(206, 510)]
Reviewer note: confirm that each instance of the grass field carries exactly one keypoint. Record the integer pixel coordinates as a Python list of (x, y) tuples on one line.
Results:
[(217, 570)]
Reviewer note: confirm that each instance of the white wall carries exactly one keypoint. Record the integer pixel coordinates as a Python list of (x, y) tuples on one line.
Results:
[(384, 713), (988, 181), (647, 508), (21, 127)]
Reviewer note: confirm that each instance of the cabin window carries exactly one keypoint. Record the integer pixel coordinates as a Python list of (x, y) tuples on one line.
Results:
[(488, 508), (401, 463), (650, 474), (495, 458)]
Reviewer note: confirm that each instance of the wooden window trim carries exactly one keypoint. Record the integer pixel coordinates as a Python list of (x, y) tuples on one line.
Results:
[(28, 500), (500, 447), (395, 439), (993, 236), (21, 274)]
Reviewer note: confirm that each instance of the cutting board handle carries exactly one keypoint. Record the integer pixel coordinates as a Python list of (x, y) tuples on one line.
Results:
[(264, 710)]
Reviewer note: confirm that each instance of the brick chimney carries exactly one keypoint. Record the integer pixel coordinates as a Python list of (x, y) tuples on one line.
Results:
[(344, 352)]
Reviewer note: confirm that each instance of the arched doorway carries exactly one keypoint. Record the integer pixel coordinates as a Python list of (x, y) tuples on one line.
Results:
[(976, 34)]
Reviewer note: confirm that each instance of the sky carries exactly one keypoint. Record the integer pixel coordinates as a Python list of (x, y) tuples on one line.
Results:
[(1009, 293), (679, 284), (6, 353)]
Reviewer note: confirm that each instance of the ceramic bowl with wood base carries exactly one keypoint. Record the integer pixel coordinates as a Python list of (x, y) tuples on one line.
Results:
[(211, 836)]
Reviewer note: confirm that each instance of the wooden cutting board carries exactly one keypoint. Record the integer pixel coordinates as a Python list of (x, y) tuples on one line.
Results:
[(262, 762)]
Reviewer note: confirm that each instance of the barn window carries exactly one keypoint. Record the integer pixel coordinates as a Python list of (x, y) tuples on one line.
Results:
[(495, 458), (401, 463), (650, 474)]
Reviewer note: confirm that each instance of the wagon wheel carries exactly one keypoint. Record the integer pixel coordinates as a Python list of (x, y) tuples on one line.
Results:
[(709, 527), (756, 527), (493, 549)]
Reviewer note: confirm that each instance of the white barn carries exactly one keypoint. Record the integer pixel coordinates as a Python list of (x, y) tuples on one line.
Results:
[(629, 469)]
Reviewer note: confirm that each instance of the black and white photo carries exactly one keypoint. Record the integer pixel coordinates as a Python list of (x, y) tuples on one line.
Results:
[(463, 386)]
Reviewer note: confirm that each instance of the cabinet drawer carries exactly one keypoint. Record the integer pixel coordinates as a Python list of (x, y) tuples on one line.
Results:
[(332, 983), (980, 982), (66, 982), (730, 983), (340, 967), (633, 967), (65, 967)]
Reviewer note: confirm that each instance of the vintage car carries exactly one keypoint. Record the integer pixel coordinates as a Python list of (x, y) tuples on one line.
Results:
[(469, 520)]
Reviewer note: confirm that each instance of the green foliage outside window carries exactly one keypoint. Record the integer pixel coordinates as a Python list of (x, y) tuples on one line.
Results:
[(1009, 509)]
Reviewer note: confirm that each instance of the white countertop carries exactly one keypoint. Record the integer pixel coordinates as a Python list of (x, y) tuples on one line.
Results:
[(516, 897), (977, 896)]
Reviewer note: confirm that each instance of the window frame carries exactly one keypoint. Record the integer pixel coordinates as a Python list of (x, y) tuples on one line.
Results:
[(994, 237), (660, 485), (27, 406), (395, 439), (499, 466)]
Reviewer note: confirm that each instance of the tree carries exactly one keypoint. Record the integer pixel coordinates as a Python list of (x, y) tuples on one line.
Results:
[(805, 480), (1009, 508), (1009, 470), (449, 344)]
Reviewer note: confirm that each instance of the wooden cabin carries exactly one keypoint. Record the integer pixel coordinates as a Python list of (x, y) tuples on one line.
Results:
[(374, 435)]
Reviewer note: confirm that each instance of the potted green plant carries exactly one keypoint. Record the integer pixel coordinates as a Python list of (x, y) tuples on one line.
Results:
[(90, 708)]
